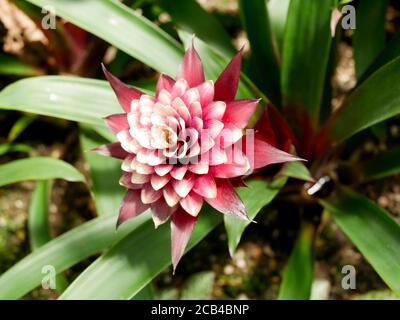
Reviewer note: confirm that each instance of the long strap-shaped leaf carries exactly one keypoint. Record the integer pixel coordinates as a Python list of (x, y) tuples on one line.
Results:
[(278, 10), (38, 224), (389, 53), (71, 98), (133, 262), (258, 189), (372, 230), (40, 168), (369, 36), (122, 27), (190, 16), (10, 65), (298, 276), (64, 252), (306, 51), (375, 100), (381, 166), (264, 52), (14, 147)]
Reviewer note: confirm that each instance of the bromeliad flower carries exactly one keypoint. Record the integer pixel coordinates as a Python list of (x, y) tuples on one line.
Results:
[(185, 146)]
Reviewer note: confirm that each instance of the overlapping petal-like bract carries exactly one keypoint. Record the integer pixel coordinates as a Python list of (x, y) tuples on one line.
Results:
[(185, 146)]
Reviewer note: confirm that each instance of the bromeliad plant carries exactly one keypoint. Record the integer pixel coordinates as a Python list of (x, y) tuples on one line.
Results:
[(185, 146), (292, 61)]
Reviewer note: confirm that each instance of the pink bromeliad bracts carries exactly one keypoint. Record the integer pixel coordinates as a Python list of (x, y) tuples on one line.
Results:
[(185, 146)]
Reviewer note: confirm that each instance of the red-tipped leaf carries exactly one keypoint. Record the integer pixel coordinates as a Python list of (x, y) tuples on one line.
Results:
[(182, 225), (117, 122), (131, 206), (124, 93), (161, 212), (113, 150), (164, 82), (192, 68), (261, 154), (238, 112), (227, 200), (227, 84)]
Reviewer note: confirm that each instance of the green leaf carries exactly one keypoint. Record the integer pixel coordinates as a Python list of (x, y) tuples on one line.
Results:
[(297, 170), (298, 276), (138, 258), (372, 231), (258, 195), (18, 127), (389, 53), (122, 27), (39, 168), (306, 54), (278, 10), (133, 262), (199, 286), (370, 34), (38, 224), (381, 166), (188, 15), (105, 173), (10, 65), (145, 294), (380, 131), (375, 100), (326, 106), (64, 252), (264, 53), (377, 295), (71, 98), (14, 147)]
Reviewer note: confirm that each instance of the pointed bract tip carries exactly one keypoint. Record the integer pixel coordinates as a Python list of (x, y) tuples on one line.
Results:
[(293, 158), (118, 224), (296, 158), (156, 224), (191, 46), (247, 218), (105, 71), (95, 150)]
